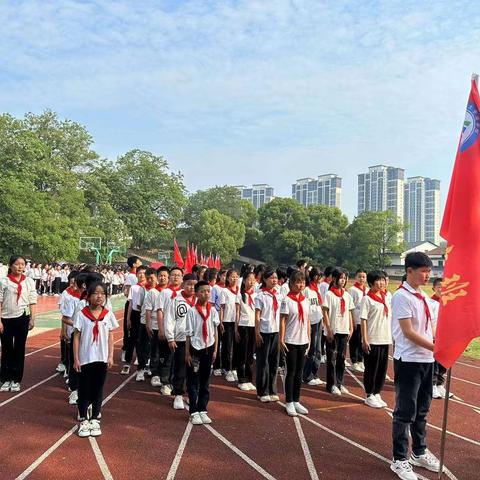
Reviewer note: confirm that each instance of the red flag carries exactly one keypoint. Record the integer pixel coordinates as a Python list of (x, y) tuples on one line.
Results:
[(209, 261), (188, 260), (218, 265), (195, 255), (177, 256), (459, 315)]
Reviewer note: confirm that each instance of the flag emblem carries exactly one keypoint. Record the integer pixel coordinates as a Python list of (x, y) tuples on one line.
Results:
[(452, 288), (471, 127)]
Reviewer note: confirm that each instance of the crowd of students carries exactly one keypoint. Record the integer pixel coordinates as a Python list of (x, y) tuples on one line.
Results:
[(182, 328)]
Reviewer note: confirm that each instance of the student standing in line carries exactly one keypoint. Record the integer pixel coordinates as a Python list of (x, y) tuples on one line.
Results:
[(133, 263), (294, 340), (93, 353), (338, 324), (412, 328), (216, 280), (357, 291), (18, 297), (323, 289)]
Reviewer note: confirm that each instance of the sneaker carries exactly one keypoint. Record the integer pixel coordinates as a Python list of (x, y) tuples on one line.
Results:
[(323, 359), (229, 377), (196, 419), (217, 372), (235, 375), (347, 363), (140, 377), (123, 355), (356, 367), (244, 387), (436, 392), (60, 368), (15, 387), (290, 408), (148, 372), (251, 386), (155, 381), (73, 398), (380, 400), (65, 374), (95, 430), (274, 398), (403, 469), (299, 408), (335, 390), (312, 382), (125, 370), (372, 401), (427, 460), (135, 362), (84, 429), (362, 366), (178, 403), (205, 418), (443, 392), (344, 389), (265, 398), (166, 390)]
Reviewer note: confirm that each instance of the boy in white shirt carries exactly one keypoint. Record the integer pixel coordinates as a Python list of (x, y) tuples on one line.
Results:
[(323, 289), (133, 263), (357, 291), (412, 329)]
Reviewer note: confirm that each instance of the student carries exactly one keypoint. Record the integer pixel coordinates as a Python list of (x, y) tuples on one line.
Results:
[(216, 287), (267, 326), (338, 327), (17, 316), (376, 315), (175, 325), (93, 354), (259, 269), (323, 289), (282, 281), (294, 340), (312, 362), (200, 351), (133, 263), (412, 330), (245, 330), (357, 291), (228, 311)]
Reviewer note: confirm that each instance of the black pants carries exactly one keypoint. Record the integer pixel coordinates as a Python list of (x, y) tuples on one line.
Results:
[(376, 363), (133, 333), (56, 285), (72, 373), (323, 340), (198, 382), (336, 360), (229, 347), (312, 362), (91, 380), (64, 352), (267, 365), (125, 326), (295, 360), (246, 347), (13, 338), (439, 374), (161, 359), (413, 395), (355, 344), (179, 369), (143, 347)]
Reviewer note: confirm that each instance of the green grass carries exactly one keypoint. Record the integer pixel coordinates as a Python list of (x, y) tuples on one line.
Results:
[(473, 350)]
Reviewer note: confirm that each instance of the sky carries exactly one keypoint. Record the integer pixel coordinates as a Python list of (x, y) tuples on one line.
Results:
[(243, 92)]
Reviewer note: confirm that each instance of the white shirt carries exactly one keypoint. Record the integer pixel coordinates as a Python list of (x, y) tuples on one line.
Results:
[(379, 325), (247, 312), (434, 308), (296, 331), (175, 317), (131, 279), (269, 322), (357, 297), (315, 310), (136, 295), (228, 299), (8, 297), (68, 305), (339, 323), (150, 303), (64, 276), (165, 297), (194, 325), (323, 287), (285, 289), (406, 305), (90, 351)]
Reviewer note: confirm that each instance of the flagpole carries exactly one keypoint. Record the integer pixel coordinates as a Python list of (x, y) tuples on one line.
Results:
[(444, 423)]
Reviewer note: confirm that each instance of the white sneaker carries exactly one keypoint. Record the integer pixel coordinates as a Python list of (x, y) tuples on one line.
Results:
[(125, 370), (312, 382), (217, 372), (140, 377), (335, 390), (155, 381), (344, 389), (274, 398), (380, 400), (5, 387), (265, 399), (148, 372), (84, 429), (299, 408), (196, 419), (229, 377), (95, 430), (135, 362), (60, 368), (123, 355), (436, 392), (372, 401), (290, 408), (323, 359), (251, 386), (65, 374), (15, 387), (362, 366), (244, 387), (205, 418), (356, 367), (166, 390), (235, 375), (427, 460), (178, 403), (443, 392), (403, 469), (73, 398), (347, 363)]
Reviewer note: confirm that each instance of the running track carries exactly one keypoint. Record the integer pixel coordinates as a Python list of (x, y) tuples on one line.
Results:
[(144, 438)]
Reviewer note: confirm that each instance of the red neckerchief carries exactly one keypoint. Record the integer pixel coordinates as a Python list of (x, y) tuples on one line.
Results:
[(212, 284), (381, 300), (436, 297), (250, 298), (133, 270), (18, 283), (174, 291), (299, 301), (361, 287), (273, 294), (73, 293), (86, 311), (425, 305), (204, 318), (159, 288), (190, 300), (221, 285), (399, 287), (338, 292), (148, 287), (234, 291), (314, 286)]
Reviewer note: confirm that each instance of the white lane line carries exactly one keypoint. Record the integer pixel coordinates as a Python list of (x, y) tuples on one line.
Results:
[(244, 457), (100, 459), (59, 442), (11, 399), (178, 456), (42, 349), (466, 381), (468, 365), (306, 451)]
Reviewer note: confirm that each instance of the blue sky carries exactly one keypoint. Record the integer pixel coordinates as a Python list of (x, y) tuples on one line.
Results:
[(242, 92)]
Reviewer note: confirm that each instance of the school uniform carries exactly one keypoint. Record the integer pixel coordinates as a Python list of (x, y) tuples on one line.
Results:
[(130, 280), (439, 370), (357, 292), (268, 302), (297, 339), (228, 301), (56, 280), (246, 331), (200, 329), (339, 310), (93, 357), (215, 297), (312, 362), (136, 296), (376, 312), (15, 300), (64, 273), (413, 367), (323, 289)]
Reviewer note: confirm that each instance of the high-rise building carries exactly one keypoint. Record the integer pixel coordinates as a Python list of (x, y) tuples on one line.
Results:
[(422, 210), (380, 189), (325, 190), (258, 194)]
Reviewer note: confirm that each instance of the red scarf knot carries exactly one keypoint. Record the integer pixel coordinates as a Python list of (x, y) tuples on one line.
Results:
[(205, 320), (314, 286), (436, 297), (361, 287), (339, 292), (273, 294), (234, 290), (174, 291), (190, 300), (87, 312), (73, 293), (249, 294), (299, 298), (18, 283), (381, 300), (425, 305)]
